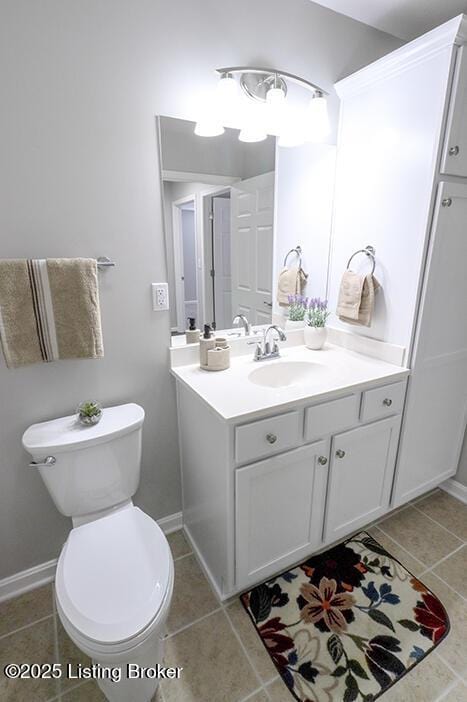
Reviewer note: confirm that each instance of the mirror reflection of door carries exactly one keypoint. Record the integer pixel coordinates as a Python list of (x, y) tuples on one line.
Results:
[(218, 204), (252, 247), (184, 228), (221, 261)]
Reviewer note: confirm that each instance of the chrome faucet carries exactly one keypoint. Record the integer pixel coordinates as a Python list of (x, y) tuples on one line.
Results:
[(246, 324), (264, 350)]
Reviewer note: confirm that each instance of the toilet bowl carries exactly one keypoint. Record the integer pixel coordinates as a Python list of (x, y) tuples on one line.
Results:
[(114, 579)]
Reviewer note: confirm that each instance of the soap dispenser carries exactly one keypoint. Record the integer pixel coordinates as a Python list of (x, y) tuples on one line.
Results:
[(192, 334), (206, 342)]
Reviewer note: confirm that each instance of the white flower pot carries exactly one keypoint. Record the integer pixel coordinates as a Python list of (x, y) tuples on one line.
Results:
[(315, 337), (291, 324)]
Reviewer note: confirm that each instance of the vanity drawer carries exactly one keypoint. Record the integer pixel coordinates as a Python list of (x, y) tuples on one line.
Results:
[(267, 436), (382, 402), (330, 417)]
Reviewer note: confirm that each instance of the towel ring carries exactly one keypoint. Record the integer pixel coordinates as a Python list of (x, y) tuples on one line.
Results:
[(368, 251), (298, 251)]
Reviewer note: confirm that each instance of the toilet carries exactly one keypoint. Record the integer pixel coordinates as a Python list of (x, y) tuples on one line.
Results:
[(114, 579)]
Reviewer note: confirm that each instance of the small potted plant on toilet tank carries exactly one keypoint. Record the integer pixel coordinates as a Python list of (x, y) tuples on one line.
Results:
[(315, 318), (89, 412)]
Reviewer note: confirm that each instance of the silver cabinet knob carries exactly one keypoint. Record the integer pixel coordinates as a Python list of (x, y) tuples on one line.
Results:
[(272, 438), (454, 150), (447, 202), (340, 453), (387, 402), (322, 460)]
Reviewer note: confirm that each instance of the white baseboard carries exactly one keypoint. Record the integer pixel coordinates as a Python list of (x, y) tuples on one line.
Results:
[(44, 573), (173, 522), (27, 580), (456, 489)]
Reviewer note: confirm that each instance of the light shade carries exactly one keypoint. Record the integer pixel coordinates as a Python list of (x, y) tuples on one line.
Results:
[(251, 133), (318, 119), (227, 88), (209, 127), (275, 96)]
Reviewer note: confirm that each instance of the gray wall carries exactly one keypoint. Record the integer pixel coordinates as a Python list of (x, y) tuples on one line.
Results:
[(462, 472), (81, 83), (225, 155)]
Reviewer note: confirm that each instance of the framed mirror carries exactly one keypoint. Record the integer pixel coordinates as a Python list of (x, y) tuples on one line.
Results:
[(233, 210)]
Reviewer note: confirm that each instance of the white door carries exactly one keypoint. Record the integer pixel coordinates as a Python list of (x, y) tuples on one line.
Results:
[(252, 203), (454, 160), (436, 408), (222, 264), (279, 511), (360, 476)]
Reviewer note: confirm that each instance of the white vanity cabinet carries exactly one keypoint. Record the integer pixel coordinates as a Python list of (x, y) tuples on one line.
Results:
[(262, 493), (360, 476), (279, 511)]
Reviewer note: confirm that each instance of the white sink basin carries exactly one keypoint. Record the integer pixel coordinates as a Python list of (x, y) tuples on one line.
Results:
[(284, 373)]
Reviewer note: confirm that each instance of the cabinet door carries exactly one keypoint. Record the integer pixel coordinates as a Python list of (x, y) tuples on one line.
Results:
[(279, 511), (454, 160), (436, 408), (361, 474)]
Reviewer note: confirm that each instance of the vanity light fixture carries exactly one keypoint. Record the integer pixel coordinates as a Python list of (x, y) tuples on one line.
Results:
[(261, 107)]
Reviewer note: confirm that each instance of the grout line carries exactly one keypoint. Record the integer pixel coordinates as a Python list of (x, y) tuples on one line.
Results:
[(446, 692), (26, 626), (435, 575), (450, 668), (252, 694), (439, 524), (441, 560), (57, 650), (242, 646), (403, 547), (396, 543), (180, 558), (196, 621)]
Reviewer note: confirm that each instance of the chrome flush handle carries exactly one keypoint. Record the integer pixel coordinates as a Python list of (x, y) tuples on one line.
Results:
[(49, 461)]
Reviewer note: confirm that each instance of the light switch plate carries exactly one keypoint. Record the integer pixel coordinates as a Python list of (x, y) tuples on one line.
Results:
[(160, 296)]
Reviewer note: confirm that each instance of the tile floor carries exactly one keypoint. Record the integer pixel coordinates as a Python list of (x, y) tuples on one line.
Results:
[(222, 657)]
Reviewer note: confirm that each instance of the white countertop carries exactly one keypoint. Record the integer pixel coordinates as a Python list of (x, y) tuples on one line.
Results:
[(233, 396)]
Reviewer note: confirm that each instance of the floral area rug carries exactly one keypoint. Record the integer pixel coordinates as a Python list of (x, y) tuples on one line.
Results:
[(346, 624)]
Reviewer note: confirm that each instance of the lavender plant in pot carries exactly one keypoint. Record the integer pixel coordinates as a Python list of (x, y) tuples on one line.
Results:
[(316, 318), (297, 310)]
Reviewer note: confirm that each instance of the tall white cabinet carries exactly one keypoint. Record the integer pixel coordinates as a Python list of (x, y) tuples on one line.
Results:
[(401, 186)]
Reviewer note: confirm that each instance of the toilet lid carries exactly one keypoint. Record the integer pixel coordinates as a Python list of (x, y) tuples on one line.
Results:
[(113, 575)]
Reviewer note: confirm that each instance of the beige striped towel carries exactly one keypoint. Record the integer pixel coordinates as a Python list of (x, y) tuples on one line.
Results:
[(49, 310)]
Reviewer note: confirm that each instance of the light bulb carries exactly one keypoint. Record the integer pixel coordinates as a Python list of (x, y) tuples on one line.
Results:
[(275, 96), (227, 88), (251, 133), (209, 127), (318, 118)]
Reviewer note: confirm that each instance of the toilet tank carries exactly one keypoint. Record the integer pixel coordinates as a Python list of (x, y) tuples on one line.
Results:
[(96, 467)]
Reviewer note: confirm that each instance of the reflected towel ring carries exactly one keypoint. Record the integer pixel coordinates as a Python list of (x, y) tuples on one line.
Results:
[(298, 251), (368, 251)]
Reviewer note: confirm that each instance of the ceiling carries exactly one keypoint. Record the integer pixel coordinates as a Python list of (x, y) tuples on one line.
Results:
[(405, 19)]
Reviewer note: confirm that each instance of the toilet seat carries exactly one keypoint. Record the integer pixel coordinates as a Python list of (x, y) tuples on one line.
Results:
[(114, 576)]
